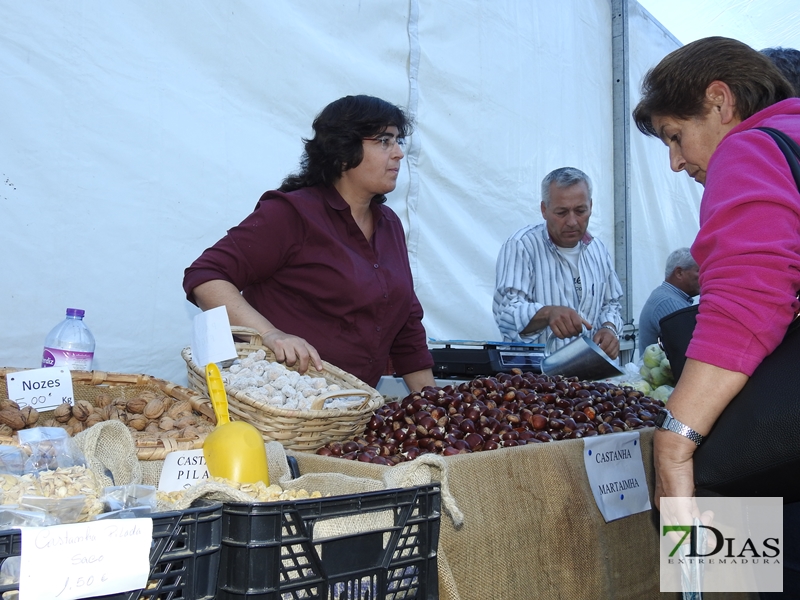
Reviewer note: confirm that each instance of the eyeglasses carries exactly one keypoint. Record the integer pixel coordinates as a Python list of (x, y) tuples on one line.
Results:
[(388, 141)]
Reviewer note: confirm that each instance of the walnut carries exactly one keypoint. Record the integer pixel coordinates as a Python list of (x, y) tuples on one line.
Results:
[(166, 423), (49, 422), (103, 400), (148, 395), (136, 405), (190, 433), (6, 403), (154, 408), (82, 409), (121, 403), (93, 419), (12, 417), (186, 421), (119, 415), (152, 427), (137, 422), (204, 426), (63, 413), (179, 409), (76, 425), (31, 415)]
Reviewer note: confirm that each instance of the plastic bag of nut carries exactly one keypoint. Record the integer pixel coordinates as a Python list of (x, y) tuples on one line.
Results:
[(49, 448), (128, 501), (12, 460), (52, 481)]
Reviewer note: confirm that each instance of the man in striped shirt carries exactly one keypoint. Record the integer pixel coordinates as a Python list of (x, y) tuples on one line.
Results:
[(555, 277)]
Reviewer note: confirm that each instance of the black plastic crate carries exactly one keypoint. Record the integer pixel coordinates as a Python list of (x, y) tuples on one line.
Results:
[(269, 552), (184, 556)]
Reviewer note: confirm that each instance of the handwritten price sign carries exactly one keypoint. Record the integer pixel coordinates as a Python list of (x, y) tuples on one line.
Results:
[(43, 389), (84, 560)]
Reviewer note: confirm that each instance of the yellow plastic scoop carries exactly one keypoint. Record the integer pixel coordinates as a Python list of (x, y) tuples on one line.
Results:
[(235, 449)]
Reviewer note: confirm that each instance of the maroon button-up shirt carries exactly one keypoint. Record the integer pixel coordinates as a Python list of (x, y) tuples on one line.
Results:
[(300, 259)]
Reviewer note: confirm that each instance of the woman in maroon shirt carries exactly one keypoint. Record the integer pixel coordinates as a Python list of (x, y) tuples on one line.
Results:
[(320, 267)]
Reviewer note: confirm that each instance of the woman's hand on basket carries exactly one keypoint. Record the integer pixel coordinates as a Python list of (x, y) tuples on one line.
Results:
[(292, 350)]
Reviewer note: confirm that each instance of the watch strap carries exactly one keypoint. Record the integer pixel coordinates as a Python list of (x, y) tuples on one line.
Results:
[(667, 421)]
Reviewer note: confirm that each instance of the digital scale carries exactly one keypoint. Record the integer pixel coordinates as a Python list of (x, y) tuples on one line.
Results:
[(465, 358)]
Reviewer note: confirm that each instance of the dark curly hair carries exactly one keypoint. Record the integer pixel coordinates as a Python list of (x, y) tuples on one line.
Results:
[(676, 87), (337, 143)]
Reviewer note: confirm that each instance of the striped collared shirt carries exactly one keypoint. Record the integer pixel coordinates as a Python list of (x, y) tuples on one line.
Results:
[(532, 273)]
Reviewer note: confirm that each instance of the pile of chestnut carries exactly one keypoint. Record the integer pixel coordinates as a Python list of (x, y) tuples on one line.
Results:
[(510, 409)]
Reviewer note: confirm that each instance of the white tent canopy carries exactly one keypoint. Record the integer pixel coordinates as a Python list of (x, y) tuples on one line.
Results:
[(136, 133)]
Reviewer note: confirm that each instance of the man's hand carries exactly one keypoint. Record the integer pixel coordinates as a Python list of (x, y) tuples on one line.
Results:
[(608, 342), (565, 322)]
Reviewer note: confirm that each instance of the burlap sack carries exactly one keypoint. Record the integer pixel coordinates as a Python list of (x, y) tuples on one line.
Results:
[(531, 528), (111, 453), (151, 471)]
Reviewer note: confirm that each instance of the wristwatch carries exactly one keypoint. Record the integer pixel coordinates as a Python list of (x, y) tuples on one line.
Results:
[(665, 420)]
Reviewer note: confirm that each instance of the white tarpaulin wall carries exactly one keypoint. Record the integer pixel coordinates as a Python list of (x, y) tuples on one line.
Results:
[(135, 133)]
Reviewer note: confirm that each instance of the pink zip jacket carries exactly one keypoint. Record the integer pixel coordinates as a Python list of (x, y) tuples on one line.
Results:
[(748, 247)]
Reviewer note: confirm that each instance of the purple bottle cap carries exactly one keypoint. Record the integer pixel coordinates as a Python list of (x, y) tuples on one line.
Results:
[(75, 312)]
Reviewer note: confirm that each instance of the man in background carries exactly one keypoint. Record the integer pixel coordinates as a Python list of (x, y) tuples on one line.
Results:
[(788, 62), (677, 291), (554, 276)]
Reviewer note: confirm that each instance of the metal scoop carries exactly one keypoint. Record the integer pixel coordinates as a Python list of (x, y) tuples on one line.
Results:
[(235, 449), (581, 358)]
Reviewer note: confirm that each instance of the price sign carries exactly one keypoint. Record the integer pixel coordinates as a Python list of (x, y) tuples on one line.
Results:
[(212, 341), (83, 560), (182, 469), (615, 471), (43, 389)]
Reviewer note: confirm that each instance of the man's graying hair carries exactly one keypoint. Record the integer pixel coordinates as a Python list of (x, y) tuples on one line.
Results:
[(679, 258), (563, 178), (788, 62)]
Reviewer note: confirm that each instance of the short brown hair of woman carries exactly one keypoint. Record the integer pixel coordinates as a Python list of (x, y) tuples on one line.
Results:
[(676, 87)]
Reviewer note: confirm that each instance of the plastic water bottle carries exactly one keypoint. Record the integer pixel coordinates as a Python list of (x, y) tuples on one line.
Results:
[(70, 344)]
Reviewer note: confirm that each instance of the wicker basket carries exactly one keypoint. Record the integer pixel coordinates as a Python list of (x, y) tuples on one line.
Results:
[(88, 385), (302, 430)]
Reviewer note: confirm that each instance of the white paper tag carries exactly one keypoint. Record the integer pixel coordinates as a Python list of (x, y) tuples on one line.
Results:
[(212, 340), (42, 389), (82, 560), (616, 474), (182, 469)]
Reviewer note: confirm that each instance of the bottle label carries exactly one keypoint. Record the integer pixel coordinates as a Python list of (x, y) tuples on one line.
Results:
[(69, 359)]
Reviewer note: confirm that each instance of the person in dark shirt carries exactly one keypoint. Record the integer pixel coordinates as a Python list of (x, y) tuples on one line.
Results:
[(680, 286), (320, 268)]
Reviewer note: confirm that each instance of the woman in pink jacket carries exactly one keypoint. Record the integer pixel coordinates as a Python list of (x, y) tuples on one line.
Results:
[(704, 101)]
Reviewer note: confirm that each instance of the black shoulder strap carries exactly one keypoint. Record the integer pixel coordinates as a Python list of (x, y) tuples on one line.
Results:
[(790, 149)]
